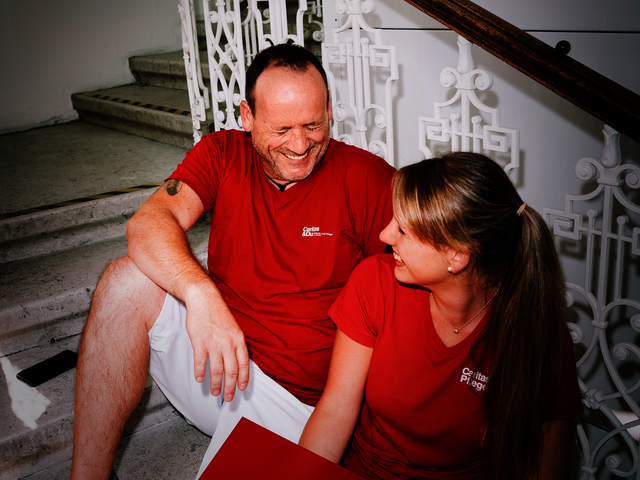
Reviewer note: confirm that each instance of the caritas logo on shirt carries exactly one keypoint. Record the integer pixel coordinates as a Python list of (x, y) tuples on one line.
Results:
[(474, 379), (313, 232)]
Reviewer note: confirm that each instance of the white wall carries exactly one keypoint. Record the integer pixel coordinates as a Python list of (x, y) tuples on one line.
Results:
[(52, 49), (564, 15)]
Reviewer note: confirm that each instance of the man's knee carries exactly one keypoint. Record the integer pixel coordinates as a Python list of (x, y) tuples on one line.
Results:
[(123, 272), (124, 289)]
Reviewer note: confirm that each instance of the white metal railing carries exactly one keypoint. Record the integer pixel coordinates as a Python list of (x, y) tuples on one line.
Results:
[(314, 18), (198, 93), (226, 59), (235, 31), (464, 130), (277, 19), (357, 50), (601, 302)]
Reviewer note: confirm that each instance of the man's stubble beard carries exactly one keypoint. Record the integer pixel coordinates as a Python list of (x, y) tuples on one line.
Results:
[(270, 164)]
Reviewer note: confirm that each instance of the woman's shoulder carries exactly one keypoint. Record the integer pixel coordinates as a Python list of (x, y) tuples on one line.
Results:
[(378, 265), (373, 276), (357, 310)]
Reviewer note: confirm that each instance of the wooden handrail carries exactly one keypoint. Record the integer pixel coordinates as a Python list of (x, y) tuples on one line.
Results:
[(603, 98)]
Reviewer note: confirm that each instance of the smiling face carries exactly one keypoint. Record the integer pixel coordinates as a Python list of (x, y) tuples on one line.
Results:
[(417, 262), (290, 125)]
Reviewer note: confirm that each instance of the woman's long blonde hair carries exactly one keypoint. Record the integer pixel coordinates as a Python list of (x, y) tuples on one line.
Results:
[(465, 200)]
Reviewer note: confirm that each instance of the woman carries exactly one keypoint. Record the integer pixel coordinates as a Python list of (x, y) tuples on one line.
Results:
[(458, 337)]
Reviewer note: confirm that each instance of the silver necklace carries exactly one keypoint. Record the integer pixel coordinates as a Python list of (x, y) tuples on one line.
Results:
[(457, 330)]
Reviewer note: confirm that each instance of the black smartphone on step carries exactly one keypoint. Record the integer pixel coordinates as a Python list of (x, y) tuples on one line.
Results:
[(49, 368)]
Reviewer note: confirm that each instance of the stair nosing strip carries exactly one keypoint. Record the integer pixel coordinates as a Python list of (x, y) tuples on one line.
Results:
[(137, 104)]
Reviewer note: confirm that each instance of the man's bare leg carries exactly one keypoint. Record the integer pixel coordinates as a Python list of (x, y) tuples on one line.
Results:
[(112, 366)]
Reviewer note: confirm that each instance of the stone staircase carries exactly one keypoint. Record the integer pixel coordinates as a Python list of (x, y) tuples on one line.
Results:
[(156, 106), (69, 192), (57, 233)]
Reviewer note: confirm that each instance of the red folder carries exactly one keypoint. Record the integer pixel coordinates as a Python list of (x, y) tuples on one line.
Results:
[(253, 452)]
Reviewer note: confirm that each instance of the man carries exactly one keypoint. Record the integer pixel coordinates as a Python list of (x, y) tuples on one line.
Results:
[(293, 212)]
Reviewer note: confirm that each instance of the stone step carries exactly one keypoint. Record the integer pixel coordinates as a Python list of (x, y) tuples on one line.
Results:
[(49, 209), (82, 223), (168, 70), (167, 450), (165, 69), (43, 306), (158, 113), (49, 166), (44, 299), (51, 260), (37, 427)]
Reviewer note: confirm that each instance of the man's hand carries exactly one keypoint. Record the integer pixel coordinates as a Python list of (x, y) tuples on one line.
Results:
[(215, 335)]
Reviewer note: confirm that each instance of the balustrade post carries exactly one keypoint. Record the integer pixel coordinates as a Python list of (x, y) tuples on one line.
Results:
[(463, 130), (198, 93), (354, 111)]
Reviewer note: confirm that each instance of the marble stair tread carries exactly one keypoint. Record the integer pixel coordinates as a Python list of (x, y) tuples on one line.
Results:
[(150, 94), (47, 297), (55, 164), (165, 117), (74, 225), (171, 449), (36, 432), (165, 69)]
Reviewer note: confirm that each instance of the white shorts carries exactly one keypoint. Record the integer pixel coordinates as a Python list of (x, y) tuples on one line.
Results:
[(263, 402)]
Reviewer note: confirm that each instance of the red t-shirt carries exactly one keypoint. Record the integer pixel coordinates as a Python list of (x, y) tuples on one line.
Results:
[(422, 414), (281, 258)]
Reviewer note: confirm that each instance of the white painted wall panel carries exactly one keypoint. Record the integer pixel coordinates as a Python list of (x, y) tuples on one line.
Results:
[(565, 15), (568, 15)]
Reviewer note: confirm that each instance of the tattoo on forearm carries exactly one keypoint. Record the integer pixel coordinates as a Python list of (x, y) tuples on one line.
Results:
[(173, 186)]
